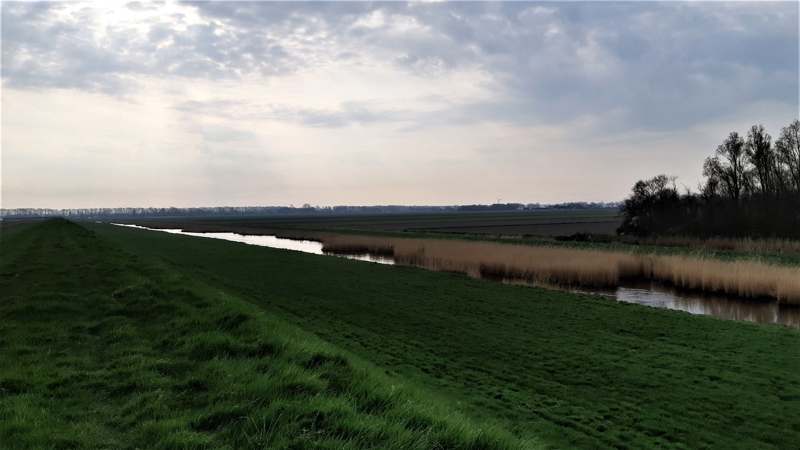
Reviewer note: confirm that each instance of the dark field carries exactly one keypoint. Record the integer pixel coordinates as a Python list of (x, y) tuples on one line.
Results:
[(545, 223), (563, 369)]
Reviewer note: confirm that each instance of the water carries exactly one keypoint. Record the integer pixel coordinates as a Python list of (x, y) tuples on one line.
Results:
[(649, 294), (730, 308), (305, 246)]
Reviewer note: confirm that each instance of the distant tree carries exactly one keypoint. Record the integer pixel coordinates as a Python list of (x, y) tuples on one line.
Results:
[(653, 206), (730, 167), (760, 155), (714, 173), (787, 149)]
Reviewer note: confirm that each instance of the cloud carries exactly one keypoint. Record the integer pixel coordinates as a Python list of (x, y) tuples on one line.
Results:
[(662, 65), (202, 101)]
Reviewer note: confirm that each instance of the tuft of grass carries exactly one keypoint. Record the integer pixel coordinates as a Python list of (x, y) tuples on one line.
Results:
[(103, 350)]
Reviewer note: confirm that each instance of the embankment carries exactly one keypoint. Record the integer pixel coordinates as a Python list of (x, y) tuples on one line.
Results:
[(104, 349)]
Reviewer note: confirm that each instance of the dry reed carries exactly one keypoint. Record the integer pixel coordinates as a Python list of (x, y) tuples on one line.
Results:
[(578, 267)]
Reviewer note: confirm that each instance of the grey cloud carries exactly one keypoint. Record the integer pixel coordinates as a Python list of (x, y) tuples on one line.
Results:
[(39, 51), (657, 65), (659, 61)]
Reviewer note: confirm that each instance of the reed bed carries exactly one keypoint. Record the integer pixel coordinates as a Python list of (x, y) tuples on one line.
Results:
[(546, 265), (580, 267), (749, 279)]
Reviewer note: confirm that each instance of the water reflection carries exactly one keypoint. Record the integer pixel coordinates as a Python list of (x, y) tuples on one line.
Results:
[(649, 294), (305, 246), (730, 308)]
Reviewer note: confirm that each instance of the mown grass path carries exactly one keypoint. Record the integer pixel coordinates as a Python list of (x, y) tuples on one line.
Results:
[(574, 370), (103, 349)]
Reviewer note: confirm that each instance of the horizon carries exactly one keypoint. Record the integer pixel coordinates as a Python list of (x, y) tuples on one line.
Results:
[(379, 104), (529, 205)]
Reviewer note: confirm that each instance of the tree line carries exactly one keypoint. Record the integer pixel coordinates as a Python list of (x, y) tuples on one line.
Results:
[(258, 211), (751, 189)]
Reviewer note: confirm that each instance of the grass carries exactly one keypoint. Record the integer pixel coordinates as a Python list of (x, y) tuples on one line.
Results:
[(571, 371), (104, 349)]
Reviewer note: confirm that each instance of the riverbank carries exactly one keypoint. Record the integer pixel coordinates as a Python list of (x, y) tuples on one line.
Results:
[(571, 266), (629, 290)]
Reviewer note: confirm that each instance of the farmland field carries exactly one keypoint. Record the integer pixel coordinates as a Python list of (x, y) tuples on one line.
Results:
[(533, 223), (565, 369)]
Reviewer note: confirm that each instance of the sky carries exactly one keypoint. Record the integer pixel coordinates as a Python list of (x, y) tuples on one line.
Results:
[(254, 103)]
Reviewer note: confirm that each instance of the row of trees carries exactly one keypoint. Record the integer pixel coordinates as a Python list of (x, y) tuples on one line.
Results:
[(215, 211), (255, 211), (746, 167), (751, 188), (503, 207)]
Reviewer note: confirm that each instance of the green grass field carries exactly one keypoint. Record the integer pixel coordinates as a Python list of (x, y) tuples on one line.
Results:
[(103, 349), (144, 346)]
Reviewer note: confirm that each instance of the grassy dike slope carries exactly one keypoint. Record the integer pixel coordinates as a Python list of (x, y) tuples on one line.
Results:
[(576, 371), (103, 349)]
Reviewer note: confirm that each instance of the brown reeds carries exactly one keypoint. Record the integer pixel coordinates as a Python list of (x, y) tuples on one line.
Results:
[(749, 279), (579, 267), (546, 265)]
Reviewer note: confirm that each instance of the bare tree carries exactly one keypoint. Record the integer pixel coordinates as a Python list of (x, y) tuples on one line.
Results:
[(787, 149), (714, 173), (731, 166), (759, 153)]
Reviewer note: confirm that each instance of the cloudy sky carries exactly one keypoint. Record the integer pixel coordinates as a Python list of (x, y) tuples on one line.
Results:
[(254, 103)]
